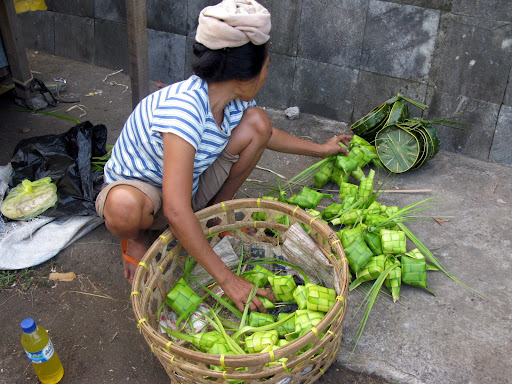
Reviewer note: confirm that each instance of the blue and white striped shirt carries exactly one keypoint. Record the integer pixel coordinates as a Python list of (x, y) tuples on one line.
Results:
[(182, 109)]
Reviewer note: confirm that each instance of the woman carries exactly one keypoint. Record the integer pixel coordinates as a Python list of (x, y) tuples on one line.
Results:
[(195, 142)]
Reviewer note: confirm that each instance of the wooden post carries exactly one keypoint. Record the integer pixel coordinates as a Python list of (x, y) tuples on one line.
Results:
[(138, 48), (15, 50)]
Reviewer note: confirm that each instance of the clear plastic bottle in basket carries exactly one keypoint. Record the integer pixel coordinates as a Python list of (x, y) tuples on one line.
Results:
[(39, 349)]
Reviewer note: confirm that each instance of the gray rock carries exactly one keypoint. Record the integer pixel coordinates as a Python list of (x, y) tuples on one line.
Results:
[(292, 113), (36, 103)]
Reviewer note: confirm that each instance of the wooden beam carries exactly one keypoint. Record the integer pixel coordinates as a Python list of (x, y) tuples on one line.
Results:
[(138, 49), (15, 50)]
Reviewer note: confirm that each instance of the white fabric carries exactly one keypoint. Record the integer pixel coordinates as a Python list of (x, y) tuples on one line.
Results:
[(233, 23)]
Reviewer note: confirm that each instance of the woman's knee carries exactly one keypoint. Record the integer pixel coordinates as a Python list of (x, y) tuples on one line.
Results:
[(258, 121), (127, 211)]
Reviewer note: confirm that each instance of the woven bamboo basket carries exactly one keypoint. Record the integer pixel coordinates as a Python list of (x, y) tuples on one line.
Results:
[(162, 265)]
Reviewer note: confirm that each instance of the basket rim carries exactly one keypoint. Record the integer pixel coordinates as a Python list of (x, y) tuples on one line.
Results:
[(140, 293)]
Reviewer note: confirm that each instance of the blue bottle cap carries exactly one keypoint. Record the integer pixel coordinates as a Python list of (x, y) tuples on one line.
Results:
[(28, 325)]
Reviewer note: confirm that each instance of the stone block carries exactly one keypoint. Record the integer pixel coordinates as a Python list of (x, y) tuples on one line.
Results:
[(332, 31), (324, 89), (278, 89), (74, 37), (166, 56), (285, 26), (38, 30), (111, 48), (83, 8), (399, 40), (498, 10), (167, 16), (375, 89), (194, 7), (476, 139), (189, 56), (502, 142), (473, 58), (112, 10), (443, 5)]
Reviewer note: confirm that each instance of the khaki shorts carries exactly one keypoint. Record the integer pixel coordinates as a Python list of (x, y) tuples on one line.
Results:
[(210, 183)]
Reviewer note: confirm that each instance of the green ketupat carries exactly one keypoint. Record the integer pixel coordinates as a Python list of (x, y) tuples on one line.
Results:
[(414, 269), (360, 155), (203, 341), (358, 254), (339, 176), (266, 302), (348, 189), (257, 319), (349, 217), (372, 239), (306, 319), (393, 242), (286, 327), (258, 275), (371, 271), (394, 278), (300, 297), (331, 211), (346, 163), (258, 341), (323, 176), (358, 174), (182, 298), (366, 186), (283, 287), (349, 235), (220, 349), (307, 198), (318, 298)]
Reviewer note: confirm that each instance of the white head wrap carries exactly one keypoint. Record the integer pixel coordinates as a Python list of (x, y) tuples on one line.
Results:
[(233, 23)]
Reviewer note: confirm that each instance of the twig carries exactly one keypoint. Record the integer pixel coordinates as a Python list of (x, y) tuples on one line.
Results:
[(9, 298), (271, 171), (496, 186), (113, 337), (391, 190), (111, 74), (122, 85), (405, 191), (93, 294), (255, 181), (80, 107)]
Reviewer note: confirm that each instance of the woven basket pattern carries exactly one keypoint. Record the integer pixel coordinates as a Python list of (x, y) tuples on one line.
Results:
[(162, 266)]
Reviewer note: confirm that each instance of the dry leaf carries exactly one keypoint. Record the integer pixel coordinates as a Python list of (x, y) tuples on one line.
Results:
[(69, 276), (440, 221)]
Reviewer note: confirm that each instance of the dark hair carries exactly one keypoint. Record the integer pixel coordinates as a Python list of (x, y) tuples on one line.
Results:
[(240, 63)]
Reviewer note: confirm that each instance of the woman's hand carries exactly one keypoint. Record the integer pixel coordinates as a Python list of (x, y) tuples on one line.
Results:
[(238, 289), (332, 147)]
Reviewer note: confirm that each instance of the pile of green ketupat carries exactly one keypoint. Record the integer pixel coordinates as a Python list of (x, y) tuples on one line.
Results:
[(255, 332), (373, 236)]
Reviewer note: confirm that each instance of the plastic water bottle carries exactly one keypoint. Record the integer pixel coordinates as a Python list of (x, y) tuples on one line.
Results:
[(40, 351)]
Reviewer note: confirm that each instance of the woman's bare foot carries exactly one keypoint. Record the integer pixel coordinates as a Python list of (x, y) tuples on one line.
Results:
[(136, 248)]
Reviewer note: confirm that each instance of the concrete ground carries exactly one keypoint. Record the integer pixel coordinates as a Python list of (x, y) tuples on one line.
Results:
[(457, 336)]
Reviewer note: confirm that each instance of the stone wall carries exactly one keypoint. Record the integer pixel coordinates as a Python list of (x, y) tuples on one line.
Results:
[(334, 58)]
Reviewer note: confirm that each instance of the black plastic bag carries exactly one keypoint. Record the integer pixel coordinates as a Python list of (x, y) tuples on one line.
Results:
[(66, 159)]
